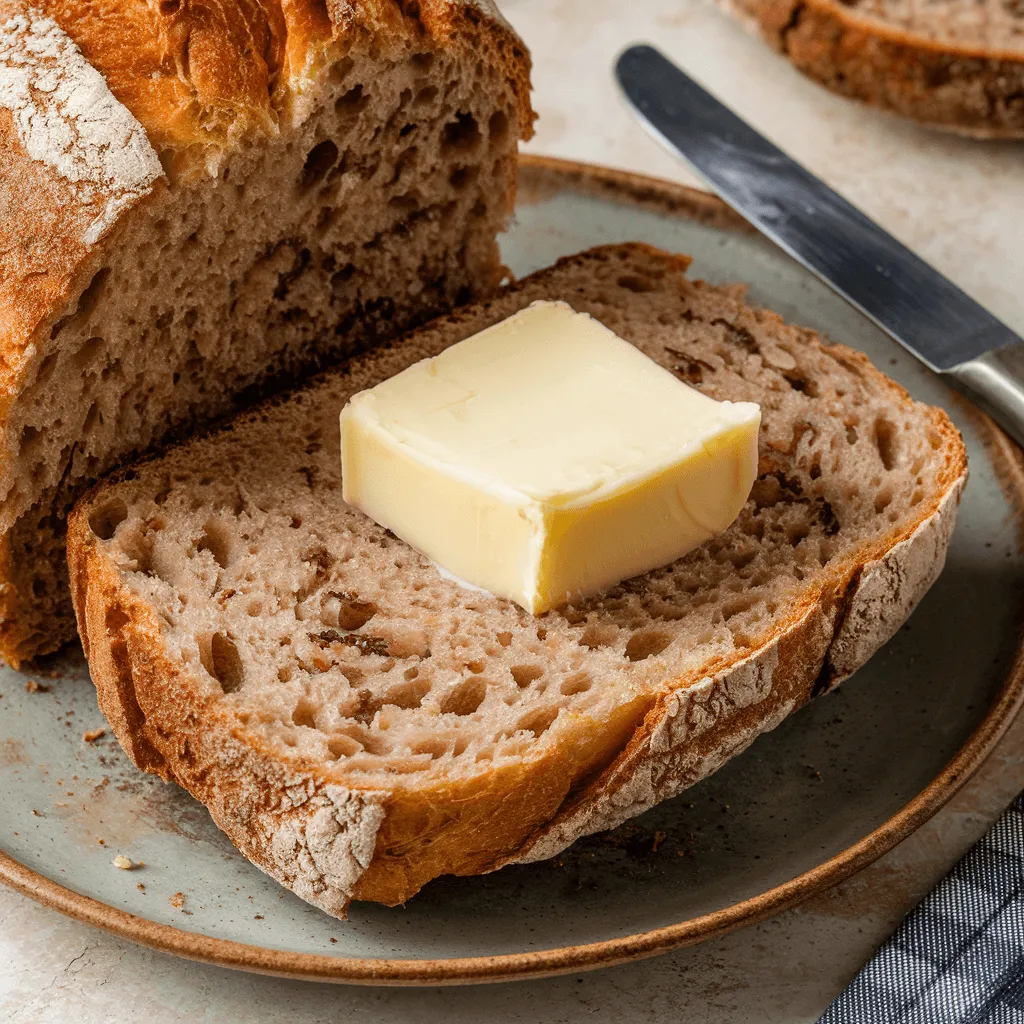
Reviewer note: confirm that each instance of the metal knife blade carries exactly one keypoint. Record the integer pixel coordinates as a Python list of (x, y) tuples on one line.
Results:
[(908, 299)]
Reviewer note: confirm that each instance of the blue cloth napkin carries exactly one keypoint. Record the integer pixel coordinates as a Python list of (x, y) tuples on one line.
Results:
[(958, 958)]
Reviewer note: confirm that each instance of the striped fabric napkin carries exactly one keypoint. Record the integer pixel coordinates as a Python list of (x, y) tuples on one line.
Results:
[(958, 958)]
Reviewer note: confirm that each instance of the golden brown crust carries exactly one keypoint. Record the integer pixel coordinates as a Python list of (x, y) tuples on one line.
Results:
[(961, 88), (660, 742)]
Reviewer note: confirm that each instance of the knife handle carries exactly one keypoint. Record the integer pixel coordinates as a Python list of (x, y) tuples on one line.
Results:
[(995, 381)]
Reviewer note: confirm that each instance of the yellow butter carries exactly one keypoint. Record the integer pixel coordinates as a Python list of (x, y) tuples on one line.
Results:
[(546, 458)]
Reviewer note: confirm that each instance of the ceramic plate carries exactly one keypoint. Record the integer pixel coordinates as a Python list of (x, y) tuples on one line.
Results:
[(835, 786)]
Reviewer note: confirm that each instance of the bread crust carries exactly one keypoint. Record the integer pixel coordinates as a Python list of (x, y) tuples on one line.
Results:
[(289, 820), (962, 88)]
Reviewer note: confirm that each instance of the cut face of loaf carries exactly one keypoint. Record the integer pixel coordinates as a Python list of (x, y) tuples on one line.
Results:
[(359, 724), (356, 193)]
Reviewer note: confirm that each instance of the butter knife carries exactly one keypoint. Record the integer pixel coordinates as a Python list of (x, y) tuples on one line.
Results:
[(910, 300)]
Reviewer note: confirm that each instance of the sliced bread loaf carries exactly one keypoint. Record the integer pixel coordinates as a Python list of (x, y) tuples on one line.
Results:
[(195, 200), (952, 64), (358, 723)]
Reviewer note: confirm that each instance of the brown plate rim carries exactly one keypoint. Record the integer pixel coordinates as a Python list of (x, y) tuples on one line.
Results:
[(548, 175)]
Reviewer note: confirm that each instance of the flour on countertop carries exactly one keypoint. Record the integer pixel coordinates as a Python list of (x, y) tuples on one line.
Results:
[(68, 119)]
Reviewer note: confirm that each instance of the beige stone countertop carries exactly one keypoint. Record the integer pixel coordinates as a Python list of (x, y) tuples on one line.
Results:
[(959, 204)]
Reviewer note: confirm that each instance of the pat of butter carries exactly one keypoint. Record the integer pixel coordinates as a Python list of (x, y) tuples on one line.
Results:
[(546, 458)]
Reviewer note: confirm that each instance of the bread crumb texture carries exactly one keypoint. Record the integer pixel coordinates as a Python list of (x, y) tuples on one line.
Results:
[(205, 200), (359, 724)]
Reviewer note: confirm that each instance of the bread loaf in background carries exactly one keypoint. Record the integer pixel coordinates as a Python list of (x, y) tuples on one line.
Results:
[(199, 199), (951, 64)]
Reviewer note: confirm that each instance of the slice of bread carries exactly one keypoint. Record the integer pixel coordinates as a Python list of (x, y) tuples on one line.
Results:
[(951, 64), (241, 195), (358, 723)]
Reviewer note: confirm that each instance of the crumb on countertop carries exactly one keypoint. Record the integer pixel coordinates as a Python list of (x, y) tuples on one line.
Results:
[(33, 687), (177, 900), (92, 735)]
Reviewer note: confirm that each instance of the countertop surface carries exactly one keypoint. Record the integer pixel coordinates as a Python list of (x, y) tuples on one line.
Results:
[(960, 204)]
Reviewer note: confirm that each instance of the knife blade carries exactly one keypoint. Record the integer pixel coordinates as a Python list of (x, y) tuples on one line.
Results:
[(910, 300)]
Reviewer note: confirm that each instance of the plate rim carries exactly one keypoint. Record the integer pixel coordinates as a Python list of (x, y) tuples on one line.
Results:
[(551, 175)]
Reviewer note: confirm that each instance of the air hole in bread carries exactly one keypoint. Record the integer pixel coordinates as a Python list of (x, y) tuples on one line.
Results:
[(731, 607), (851, 433), (578, 682), (86, 302), (346, 611), (425, 96), (883, 499), (797, 532), (435, 748), (46, 368), (741, 559), (421, 61), (635, 283), (646, 644), (343, 746), (462, 134), (220, 657), (408, 694), (538, 721), (87, 353), (106, 518), (462, 177), (216, 538), (526, 674), (505, 639), (801, 383), (305, 714), (887, 442), (340, 71), (599, 634), (92, 417), (464, 698), (352, 102), (497, 128)]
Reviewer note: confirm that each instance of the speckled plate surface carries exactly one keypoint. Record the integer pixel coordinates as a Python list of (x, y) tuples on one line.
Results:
[(835, 786)]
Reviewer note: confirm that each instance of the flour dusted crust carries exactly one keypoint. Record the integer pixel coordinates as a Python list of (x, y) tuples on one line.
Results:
[(959, 84), (68, 120)]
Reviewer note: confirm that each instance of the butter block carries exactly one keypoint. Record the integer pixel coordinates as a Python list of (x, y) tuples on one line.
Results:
[(546, 458)]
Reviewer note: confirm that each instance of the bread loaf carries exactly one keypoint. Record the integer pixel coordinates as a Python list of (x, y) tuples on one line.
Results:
[(197, 200), (358, 723), (951, 64)]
